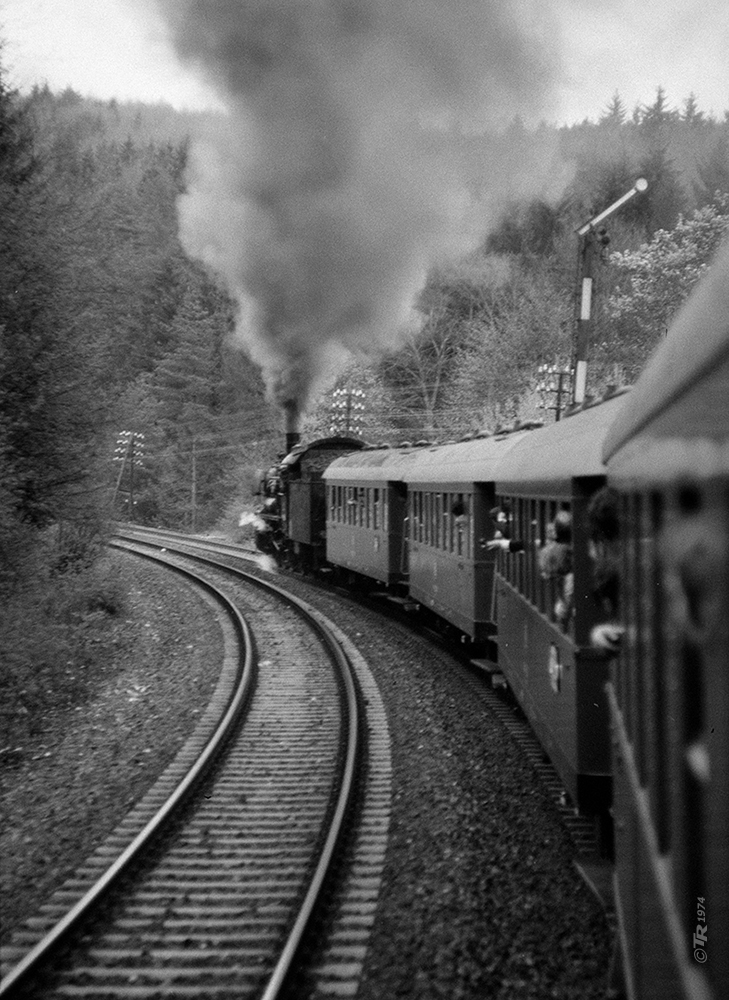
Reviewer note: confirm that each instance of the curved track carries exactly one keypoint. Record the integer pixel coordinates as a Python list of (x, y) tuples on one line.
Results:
[(209, 886), (582, 829)]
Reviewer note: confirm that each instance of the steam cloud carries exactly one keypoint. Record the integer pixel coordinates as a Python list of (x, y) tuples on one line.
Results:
[(331, 187)]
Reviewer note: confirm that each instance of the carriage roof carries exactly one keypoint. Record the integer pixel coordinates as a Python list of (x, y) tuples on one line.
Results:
[(547, 461), (462, 462)]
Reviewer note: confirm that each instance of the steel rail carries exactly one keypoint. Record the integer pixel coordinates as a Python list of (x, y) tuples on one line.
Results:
[(345, 786), (345, 673), (241, 694), (344, 800)]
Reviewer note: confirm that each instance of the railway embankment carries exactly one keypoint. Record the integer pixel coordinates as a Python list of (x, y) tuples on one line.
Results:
[(132, 693)]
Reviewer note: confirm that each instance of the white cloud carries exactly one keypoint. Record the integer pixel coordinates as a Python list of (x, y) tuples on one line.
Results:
[(105, 48), (118, 48), (636, 47)]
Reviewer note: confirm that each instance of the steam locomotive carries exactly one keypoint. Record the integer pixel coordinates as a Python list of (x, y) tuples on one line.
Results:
[(548, 549)]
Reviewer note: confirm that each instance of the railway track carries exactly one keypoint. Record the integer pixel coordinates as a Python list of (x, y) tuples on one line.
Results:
[(581, 829), (586, 836), (212, 885)]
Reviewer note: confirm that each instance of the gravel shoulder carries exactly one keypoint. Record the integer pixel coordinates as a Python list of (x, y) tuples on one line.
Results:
[(480, 896), (87, 764)]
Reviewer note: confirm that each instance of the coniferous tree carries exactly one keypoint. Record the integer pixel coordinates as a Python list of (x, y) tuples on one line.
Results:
[(48, 407), (655, 119), (691, 115), (614, 114), (665, 199), (713, 173)]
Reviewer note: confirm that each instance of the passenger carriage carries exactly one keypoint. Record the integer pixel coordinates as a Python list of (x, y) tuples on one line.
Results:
[(450, 492), (366, 514), (420, 517), (555, 674), (668, 455)]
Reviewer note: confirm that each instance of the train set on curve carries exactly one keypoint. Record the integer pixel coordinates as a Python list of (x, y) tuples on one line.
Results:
[(590, 559)]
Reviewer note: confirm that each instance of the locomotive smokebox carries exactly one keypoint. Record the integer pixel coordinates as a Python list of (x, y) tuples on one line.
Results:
[(291, 424)]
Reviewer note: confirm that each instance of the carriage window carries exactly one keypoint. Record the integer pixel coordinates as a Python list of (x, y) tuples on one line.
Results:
[(530, 565), (376, 508), (659, 694), (469, 526), (630, 618), (541, 535), (450, 522), (460, 523), (643, 604), (535, 536), (552, 508), (521, 521)]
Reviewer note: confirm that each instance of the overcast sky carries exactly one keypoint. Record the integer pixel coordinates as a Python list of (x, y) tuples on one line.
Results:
[(117, 48)]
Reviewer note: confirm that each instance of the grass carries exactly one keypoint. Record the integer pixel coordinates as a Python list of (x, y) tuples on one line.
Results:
[(53, 639)]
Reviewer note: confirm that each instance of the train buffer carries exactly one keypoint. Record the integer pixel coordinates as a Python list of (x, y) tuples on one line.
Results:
[(406, 603), (496, 677)]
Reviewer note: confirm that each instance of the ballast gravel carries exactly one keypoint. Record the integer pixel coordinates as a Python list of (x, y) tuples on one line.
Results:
[(480, 897)]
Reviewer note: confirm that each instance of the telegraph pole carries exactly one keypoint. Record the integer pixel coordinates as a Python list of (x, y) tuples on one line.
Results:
[(347, 411), (591, 241), (553, 381), (129, 451), (193, 488)]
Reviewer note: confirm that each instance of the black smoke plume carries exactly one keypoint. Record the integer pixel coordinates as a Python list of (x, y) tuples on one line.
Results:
[(331, 187)]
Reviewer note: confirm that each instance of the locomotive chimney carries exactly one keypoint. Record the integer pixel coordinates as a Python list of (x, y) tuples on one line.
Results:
[(291, 424)]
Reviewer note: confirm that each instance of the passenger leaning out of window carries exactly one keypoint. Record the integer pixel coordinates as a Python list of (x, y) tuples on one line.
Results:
[(555, 563), (502, 540), (604, 531)]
